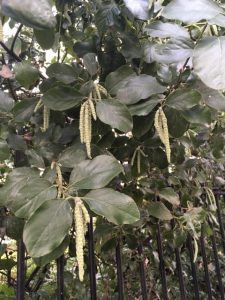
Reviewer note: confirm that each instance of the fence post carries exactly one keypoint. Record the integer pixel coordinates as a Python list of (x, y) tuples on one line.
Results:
[(142, 273), (222, 232), (162, 264), (91, 261), (205, 263), (193, 267), (179, 269), (119, 270), (21, 271), (217, 263), (60, 277)]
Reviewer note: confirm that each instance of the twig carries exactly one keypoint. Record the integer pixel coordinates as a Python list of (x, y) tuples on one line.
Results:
[(10, 52), (16, 36), (16, 57)]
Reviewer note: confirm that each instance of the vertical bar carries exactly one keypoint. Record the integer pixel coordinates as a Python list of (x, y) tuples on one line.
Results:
[(91, 258), (222, 231), (162, 264), (142, 274), (205, 263), (60, 277), (179, 269), (193, 267), (119, 270), (217, 263), (21, 272)]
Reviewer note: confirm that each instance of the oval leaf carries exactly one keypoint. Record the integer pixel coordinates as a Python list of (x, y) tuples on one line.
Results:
[(36, 13), (170, 195), (183, 99), (139, 87), (166, 30), (95, 173), (191, 11), (159, 211), (62, 98), (209, 63), (62, 72), (116, 207), (115, 114), (40, 236), (26, 74)]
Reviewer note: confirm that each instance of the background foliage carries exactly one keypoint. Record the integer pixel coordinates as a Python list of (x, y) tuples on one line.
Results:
[(145, 54)]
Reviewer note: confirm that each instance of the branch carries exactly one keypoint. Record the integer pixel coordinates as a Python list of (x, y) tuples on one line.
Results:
[(16, 57), (16, 36), (10, 52)]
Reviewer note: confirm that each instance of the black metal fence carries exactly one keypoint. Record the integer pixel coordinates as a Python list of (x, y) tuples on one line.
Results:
[(190, 285)]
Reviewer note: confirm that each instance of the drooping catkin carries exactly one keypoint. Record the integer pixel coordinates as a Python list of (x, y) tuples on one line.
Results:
[(87, 112), (81, 219), (60, 179), (161, 127), (138, 153), (46, 118), (81, 123), (38, 106), (87, 129), (79, 227), (97, 91), (92, 108)]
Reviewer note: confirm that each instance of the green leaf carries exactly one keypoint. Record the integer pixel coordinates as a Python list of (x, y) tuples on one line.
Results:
[(57, 252), (183, 99), (170, 195), (45, 38), (90, 63), (30, 196), (175, 51), (159, 211), (166, 30), (24, 109), (114, 79), (14, 227), (139, 87), (6, 102), (211, 97), (26, 196), (36, 14), (191, 11), (176, 123), (47, 227), (14, 181), (116, 207), (218, 20), (145, 108), (139, 8), (198, 115), (35, 159), (16, 142), (108, 15), (72, 156), (95, 173), (115, 114), (26, 74), (210, 50), (62, 72), (62, 98), (4, 150), (7, 264)]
